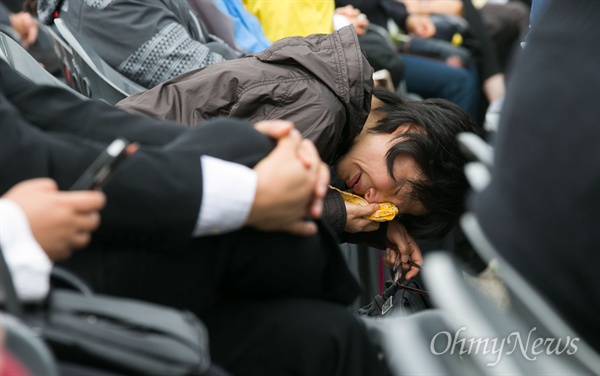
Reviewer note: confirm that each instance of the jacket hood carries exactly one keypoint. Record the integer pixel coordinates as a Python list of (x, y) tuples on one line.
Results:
[(337, 60)]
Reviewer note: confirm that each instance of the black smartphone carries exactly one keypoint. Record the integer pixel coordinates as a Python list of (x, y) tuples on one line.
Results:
[(100, 171)]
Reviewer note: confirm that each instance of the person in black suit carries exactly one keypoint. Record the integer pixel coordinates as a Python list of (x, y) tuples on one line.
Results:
[(541, 209), (274, 303)]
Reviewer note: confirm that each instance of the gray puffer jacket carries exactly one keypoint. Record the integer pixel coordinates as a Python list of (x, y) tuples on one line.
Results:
[(323, 83)]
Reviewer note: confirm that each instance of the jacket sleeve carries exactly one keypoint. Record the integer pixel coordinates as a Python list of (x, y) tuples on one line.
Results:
[(334, 212), (334, 216), (154, 197), (152, 192)]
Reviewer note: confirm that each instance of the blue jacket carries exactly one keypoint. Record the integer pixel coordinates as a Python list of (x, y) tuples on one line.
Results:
[(248, 32)]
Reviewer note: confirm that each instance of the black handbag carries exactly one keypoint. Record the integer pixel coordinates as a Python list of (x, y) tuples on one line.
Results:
[(113, 333)]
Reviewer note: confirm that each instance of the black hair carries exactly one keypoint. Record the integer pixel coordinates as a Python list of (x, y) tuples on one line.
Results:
[(436, 153)]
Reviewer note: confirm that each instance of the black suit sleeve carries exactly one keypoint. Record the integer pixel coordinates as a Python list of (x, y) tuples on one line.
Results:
[(155, 196), (153, 192), (55, 109), (541, 209)]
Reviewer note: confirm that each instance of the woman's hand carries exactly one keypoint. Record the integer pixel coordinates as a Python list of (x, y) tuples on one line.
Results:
[(356, 218), (402, 248)]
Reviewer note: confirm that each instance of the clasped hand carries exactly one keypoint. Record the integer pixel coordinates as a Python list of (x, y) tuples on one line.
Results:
[(292, 182)]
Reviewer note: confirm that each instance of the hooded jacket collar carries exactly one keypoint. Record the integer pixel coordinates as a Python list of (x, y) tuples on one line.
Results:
[(340, 64)]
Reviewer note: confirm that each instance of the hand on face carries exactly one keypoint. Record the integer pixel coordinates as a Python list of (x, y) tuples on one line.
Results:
[(364, 169), (292, 182), (404, 247), (356, 218), (59, 221)]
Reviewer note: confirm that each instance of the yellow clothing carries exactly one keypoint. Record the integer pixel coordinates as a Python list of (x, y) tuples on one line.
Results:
[(286, 18)]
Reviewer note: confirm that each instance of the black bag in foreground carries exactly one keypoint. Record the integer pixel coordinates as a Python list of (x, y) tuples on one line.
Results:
[(111, 333)]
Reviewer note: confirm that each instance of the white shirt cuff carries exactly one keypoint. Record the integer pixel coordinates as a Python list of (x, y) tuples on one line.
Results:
[(27, 262), (340, 21), (228, 191)]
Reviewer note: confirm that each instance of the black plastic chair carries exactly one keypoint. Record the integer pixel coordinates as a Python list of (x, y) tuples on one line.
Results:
[(97, 79), (477, 322), (527, 309), (65, 56), (455, 338), (405, 344)]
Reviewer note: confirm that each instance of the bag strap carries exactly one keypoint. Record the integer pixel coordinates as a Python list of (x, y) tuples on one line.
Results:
[(12, 304), (70, 280)]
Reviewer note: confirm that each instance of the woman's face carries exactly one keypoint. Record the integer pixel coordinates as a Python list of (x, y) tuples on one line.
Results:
[(364, 169)]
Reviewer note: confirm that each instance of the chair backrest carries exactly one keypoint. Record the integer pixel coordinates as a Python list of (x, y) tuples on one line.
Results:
[(409, 347), (65, 56), (481, 154), (27, 346), (492, 115), (98, 80), (21, 61), (526, 314), (530, 307)]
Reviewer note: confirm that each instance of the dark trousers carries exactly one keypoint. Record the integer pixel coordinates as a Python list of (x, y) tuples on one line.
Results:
[(426, 77), (290, 336), (273, 303)]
